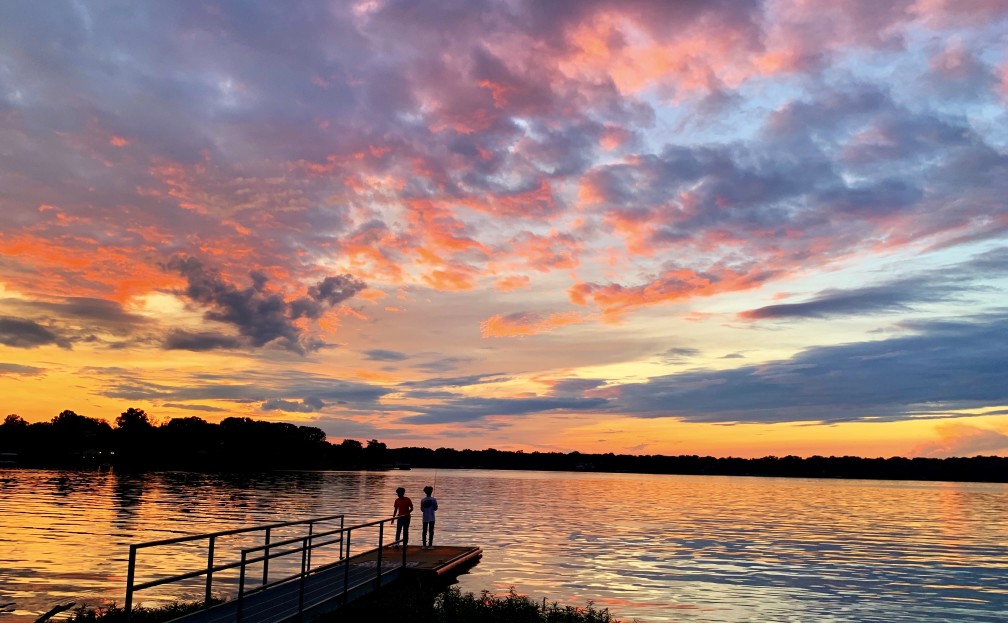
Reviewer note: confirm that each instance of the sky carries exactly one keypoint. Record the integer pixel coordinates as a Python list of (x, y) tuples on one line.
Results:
[(731, 228)]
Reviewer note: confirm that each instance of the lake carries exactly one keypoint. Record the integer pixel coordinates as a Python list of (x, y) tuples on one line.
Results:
[(659, 548)]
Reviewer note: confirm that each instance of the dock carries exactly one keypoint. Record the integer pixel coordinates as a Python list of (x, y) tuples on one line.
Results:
[(305, 589), (425, 563)]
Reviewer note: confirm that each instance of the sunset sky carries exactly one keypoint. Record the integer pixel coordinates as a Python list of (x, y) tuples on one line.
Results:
[(735, 228)]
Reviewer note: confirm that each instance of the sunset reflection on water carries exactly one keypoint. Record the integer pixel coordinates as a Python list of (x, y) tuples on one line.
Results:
[(656, 548)]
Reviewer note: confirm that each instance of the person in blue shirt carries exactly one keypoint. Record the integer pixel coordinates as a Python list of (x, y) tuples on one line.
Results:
[(427, 506)]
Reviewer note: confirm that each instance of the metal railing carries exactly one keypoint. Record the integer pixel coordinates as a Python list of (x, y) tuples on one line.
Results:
[(303, 545), (211, 538)]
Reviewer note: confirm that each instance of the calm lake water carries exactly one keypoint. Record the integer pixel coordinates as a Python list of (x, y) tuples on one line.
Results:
[(655, 548)]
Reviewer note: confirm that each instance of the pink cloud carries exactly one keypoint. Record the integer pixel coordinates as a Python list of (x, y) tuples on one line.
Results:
[(700, 54), (513, 282), (527, 323)]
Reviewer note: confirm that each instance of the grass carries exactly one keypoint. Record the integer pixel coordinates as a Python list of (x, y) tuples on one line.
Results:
[(396, 602), (450, 605), (112, 613), (454, 607)]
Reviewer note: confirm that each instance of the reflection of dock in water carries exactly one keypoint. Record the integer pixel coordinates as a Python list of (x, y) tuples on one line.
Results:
[(301, 588)]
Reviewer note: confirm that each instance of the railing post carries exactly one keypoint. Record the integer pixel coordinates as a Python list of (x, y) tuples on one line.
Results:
[(266, 558), (241, 585), (129, 581), (346, 568), (304, 571), (341, 536), (209, 571), (381, 539), (309, 545)]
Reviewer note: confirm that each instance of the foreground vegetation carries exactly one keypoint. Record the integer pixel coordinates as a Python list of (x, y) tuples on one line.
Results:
[(137, 442), (453, 606), (396, 602), (112, 613)]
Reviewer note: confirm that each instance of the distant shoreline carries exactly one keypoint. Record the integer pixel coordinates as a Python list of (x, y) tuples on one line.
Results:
[(1000, 478), (242, 444)]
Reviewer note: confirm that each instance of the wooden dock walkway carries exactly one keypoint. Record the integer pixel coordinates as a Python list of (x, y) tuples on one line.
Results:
[(319, 571), (323, 591)]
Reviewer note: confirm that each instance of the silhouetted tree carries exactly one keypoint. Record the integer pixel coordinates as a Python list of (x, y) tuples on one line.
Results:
[(75, 437), (375, 453), (13, 432), (136, 441), (13, 420), (134, 420), (311, 434), (349, 453)]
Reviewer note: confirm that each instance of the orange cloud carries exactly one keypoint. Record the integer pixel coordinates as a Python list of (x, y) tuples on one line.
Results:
[(673, 285), (79, 266), (527, 323), (959, 439), (435, 222), (371, 295), (513, 282), (456, 278), (371, 250)]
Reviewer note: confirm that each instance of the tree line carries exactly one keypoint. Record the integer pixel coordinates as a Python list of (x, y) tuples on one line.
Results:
[(240, 443)]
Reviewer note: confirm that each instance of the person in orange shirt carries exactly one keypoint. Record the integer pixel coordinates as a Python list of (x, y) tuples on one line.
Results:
[(401, 508)]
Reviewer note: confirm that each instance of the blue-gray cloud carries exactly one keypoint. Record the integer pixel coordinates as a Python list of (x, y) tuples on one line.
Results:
[(938, 368), (308, 405), (951, 283), (575, 387), (22, 333), (15, 369), (471, 409), (444, 364), (379, 354), (259, 316), (178, 339), (303, 392), (680, 353), (892, 297), (454, 381), (192, 407)]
